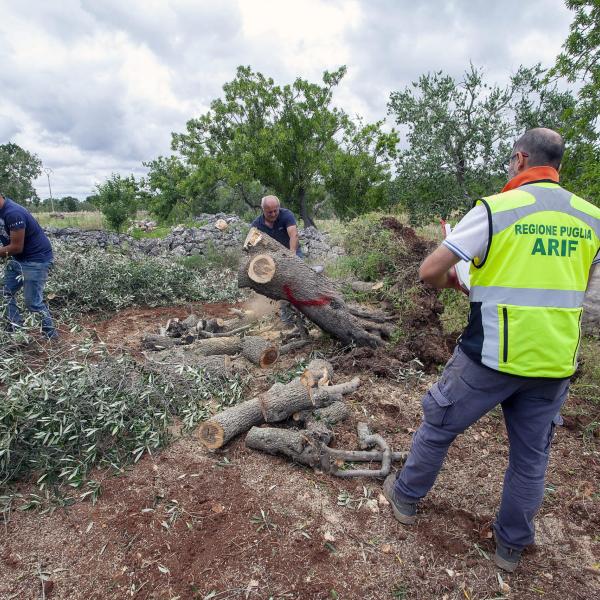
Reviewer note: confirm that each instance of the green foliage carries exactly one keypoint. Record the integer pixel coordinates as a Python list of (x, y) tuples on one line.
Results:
[(117, 199), (288, 140), (357, 174), (97, 409), (579, 62), (18, 168), (68, 204), (99, 280), (460, 134), (372, 251), (166, 182), (221, 259), (586, 383), (161, 231)]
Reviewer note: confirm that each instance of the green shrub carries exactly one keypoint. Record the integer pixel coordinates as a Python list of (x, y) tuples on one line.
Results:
[(59, 422), (372, 250), (117, 199), (586, 382), (100, 280)]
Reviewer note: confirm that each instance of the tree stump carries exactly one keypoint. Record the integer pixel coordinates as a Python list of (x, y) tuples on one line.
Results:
[(273, 271)]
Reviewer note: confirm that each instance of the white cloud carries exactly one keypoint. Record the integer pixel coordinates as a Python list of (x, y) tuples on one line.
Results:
[(97, 87)]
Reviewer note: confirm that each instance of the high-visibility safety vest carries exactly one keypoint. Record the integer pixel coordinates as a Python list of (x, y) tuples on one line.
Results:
[(527, 292)]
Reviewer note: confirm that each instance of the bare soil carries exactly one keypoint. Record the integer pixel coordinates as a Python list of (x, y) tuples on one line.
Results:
[(190, 523)]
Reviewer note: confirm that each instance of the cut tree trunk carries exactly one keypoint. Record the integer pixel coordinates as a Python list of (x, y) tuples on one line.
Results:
[(218, 345), (160, 342), (259, 351), (277, 404), (299, 446), (273, 271)]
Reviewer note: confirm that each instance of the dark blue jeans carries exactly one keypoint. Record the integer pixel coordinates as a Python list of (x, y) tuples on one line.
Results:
[(31, 276), (465, 392)]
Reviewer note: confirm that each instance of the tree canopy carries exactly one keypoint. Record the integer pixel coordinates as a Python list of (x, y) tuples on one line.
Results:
[(580, 62), (117, 199), (289, 140), (460, 134), (18, 169)]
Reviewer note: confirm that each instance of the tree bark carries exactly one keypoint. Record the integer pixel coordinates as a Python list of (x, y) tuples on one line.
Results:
[(304, 213), (259, 351), (297, 445), (217, 345), (304, 447), (277, 404), (160, 342), (311, 293)]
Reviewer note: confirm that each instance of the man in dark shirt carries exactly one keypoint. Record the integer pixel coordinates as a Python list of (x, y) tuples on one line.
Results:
[(28, 253), (279, 223)]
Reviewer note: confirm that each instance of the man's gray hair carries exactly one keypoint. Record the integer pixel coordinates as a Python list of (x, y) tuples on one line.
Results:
[(265, 198), (545, 147)]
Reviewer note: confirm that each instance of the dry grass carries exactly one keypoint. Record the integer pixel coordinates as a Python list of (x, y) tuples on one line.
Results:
[(82, 220)]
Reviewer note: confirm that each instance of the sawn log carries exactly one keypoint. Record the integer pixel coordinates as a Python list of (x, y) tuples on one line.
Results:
[(277, 404), (273, 271)]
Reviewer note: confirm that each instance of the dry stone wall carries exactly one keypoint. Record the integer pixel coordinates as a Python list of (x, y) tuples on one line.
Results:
[(189, 241)]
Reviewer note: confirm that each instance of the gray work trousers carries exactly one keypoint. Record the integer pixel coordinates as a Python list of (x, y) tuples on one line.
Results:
[(465, 392)]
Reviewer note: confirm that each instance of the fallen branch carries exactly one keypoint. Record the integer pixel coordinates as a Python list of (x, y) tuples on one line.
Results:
[(202, 334), (291, 346), (277, 404), (306, 448)]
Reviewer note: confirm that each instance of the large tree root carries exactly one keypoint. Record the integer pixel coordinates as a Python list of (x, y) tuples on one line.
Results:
[(307, 448), (273, 271)]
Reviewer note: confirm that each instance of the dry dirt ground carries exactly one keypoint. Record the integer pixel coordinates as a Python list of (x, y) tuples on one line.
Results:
[(236, 524)]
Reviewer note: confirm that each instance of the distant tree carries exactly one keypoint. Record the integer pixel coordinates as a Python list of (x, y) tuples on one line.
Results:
[(358, 172), (282, 138), (18, 169), (580, 62), (167, 185), (68, 204), (117, 199), (460, 134)]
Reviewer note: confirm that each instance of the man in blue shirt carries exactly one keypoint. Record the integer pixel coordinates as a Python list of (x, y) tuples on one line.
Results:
[(28, 253), (279, 223)]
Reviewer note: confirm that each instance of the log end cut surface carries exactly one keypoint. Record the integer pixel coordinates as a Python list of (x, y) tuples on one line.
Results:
[(261, 268), (210, 434), (269, 356)]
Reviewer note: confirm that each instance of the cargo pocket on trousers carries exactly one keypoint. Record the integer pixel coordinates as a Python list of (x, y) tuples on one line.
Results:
[(435, 406), (558, 420)]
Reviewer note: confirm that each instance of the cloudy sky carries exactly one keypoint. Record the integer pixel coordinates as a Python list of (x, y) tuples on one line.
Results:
[(97, 86)]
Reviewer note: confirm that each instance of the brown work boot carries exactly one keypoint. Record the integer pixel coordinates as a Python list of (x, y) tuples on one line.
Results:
[(405, 512)]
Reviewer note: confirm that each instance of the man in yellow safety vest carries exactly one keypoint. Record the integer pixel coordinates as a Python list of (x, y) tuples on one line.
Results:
[(532, 250)]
